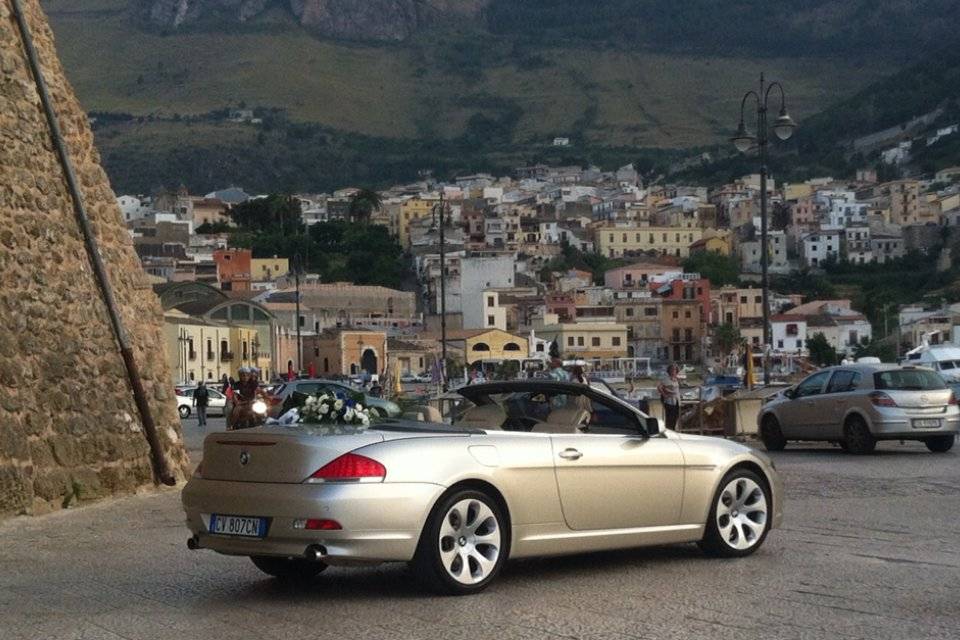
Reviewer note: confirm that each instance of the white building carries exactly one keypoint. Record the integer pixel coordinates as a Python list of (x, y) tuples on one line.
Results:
[(857, 243), (820, 246), (478, 273), (776, 253), (132, 208), (789, 333)]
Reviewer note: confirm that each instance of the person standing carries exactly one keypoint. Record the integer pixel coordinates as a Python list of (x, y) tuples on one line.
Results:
[(201, 399), (669, 390)]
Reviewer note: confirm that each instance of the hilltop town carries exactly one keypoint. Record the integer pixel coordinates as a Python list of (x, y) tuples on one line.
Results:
[(622, 275)]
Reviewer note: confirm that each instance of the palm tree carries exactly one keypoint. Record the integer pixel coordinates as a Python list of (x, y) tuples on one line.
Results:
[(362, 205), (727, 336)]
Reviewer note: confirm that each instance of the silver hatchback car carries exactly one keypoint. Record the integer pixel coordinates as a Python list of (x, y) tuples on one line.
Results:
[(857, 405)]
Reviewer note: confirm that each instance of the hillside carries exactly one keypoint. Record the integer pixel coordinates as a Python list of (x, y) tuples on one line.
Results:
[(472, 96), (835, 141)]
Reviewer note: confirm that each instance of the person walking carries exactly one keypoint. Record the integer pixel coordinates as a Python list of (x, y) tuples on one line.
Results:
[(201, 400), (669, 390)]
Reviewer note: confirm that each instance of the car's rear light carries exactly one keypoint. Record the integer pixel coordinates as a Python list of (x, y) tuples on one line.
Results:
[(350, 467), (881, 399), (314, 524)]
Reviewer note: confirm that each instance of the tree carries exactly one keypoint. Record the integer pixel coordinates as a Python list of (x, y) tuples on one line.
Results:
[(822, 352), (727, 337), (886, 351), (715, 267), (362, 205), (272, 213)]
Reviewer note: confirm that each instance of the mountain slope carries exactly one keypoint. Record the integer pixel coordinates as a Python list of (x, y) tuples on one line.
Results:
[(470, 97)]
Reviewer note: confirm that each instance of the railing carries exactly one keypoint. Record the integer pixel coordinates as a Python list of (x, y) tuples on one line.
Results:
[(192, 355), (226, 356)]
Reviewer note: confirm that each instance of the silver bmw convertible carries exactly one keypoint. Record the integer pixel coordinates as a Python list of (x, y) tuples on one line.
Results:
[(526, 468)]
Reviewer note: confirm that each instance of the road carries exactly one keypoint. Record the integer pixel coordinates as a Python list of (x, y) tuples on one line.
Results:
[(870, 549)]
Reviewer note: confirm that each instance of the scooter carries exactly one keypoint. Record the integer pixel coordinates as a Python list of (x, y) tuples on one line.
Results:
[(250, 414)]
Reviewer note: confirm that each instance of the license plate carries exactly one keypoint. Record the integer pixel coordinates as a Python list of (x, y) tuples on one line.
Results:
[(238, 526), (928, 423)]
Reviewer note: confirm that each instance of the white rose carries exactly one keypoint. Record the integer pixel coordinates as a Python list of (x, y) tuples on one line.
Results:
[(364, 420), (358, 408), (338, 405), (348, 414), (324, 408)]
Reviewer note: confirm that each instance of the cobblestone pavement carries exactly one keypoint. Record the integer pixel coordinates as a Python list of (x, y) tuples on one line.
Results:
[(870, 549)]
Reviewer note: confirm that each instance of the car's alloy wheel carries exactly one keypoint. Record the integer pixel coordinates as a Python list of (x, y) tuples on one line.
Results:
[(740, 516), (940, 444), (857, 438), (184, 411), (463, 545), (771, 435), (292, 569)]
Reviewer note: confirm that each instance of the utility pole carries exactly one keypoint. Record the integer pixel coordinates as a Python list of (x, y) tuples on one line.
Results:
[(296, 278), (443, 297)]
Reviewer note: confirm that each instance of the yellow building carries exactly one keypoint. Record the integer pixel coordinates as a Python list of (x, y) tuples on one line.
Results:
[(488, 345), (615, 242), (195, 348), (244, 348), (714, 243), (267, 269), (410, 210), (797, 190), (588, 340)]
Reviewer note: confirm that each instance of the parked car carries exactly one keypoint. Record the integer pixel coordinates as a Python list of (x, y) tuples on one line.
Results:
[(581, 471), (860, 404), (414, 378), (278, 397), (184, 396)]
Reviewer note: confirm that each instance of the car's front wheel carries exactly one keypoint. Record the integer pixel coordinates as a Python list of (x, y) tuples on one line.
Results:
[(771, 434), (940, 444), (292, 569), (464, 544), (857, 438), (184, 411), (740, 516)]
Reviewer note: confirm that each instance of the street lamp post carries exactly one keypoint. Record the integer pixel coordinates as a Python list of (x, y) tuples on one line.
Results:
[(783, 128)]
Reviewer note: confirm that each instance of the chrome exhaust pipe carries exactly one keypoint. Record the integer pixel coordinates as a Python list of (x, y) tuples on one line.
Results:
[(193, 543), (315, 552)]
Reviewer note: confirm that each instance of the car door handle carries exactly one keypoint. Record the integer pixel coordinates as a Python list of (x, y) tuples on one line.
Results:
[(570, 454)]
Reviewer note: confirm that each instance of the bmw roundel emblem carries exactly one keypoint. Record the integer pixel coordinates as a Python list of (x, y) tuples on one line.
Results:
[(244, 457)]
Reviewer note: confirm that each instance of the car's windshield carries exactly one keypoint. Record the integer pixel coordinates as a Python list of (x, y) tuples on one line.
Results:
[(908, 380)]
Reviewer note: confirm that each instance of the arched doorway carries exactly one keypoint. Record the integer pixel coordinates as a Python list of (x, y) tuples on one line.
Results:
[(368, 361)]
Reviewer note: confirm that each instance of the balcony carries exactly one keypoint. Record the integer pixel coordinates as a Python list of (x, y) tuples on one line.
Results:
[(192, 356), (226, 356)]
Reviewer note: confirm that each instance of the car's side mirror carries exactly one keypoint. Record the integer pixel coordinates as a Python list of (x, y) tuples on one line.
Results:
[(790, 393), (653, 426)]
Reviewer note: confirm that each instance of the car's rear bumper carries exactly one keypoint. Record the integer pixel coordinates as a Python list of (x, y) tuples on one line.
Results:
[(901, 427), (381, 521)]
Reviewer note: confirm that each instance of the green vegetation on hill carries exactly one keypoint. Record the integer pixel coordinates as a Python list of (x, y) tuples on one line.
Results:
[(338, 251), (448, 99)]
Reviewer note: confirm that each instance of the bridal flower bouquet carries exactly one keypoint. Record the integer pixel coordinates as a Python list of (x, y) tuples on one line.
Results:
[(330, 409)]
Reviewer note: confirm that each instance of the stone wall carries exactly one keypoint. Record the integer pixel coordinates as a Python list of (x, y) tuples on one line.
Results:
[(69, 428)]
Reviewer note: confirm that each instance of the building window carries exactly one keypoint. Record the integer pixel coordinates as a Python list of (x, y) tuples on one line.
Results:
[(686, 313), (649, 311), (489, 301), (676, 314), (688, 335), (676, 335), (490, 321), (326, 365), (615, 341), (629, 312), (540, 347), (244, 350), (569, 341), (780, 344), (595, 342), (579, 341), (792, 330)]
